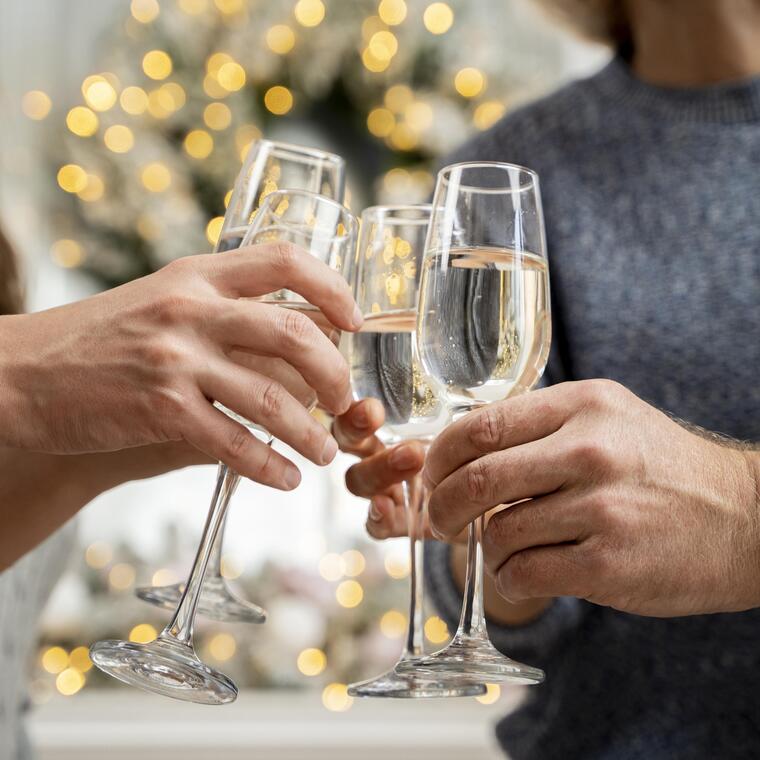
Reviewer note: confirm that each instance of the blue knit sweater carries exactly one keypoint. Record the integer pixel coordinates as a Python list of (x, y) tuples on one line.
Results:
[(652, 204)]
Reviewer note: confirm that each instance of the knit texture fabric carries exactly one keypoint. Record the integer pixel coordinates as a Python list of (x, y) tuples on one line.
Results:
[(652, 205)]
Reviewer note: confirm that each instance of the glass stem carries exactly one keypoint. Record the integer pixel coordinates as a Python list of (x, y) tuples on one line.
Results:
[(214, 569), (415, 500), (180, 629), (472, 623)]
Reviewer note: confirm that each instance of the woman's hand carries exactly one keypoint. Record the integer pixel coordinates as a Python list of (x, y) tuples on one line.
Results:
[(139, 364), (627, 508)]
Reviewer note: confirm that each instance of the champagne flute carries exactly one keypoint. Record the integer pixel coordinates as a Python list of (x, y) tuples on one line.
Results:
[(483, 335), (268, 167), (169, 665), (383, 365)]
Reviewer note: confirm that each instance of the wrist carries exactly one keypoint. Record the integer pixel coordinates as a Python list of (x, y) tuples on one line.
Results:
[(12, 396)]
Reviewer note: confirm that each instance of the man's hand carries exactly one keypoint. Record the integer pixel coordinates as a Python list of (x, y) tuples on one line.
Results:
[(627, 508), (140, 364)]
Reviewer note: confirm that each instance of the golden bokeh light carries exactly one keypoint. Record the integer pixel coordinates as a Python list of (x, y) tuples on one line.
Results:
[(216, 60), (392, 12), (280, 39), (393, 624), (349, 594), (82, 121), (212, 88), (230, 568), (493, 692), (175, 92), (380, 122), (133, 100), (438, 18), (144, 11), (436, 630), (244, 137), (370, 25), (160, 103), (403, 137), (99, 93), (143, 633), (311, 662), (278, 100), (222, 647), (396, 567), (469, 82), (119, 139), (383, 45), (72, 178), (93, 190), (69, 682), (192, 7), (121, 576), (398, 97), (98, 555), (157, 64), (227, 198), (149, 227), (488, 113), (198, 144), (214, 229), (354, 563), (80, 659), (331, 567), (217, 116), (55, 660), (163, 576), (373, 63), (156, 177), (231, 76), (229, 7), (335, 697), (418, 115), (36, 104), (309, 12)]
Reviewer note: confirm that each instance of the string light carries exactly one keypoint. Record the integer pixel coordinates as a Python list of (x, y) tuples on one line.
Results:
[(349, 594), (392, 12), (160, 103), (436, 630), (119, 139), (278, 100), (335, 697), (99, 93), (393, 624), (93, 190), (488, 113), (398, 97), (121, 576), (222, 647), (80, 659), (380, 122), (157, 64), (72, 178), (373, 64), (280, 39), (55, 660), (311, 662), (212, 88), (192, 7), (144, 11), (493, 692), (69, 682), (469, 82), (36, 104), (331, 567), (216, 60), (175, 93), (231, 76), (217, 116), (353, 563), (98, 555), (143, 633), (198, 144), (214, 229), (383, 45), (403, 137), (82, 121), (438, 18), (133, 100), (156, 177), (309, 12)]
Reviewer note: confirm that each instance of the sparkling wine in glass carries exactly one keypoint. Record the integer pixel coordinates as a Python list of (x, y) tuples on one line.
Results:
[(169, 665), (269, 166), (483, 335), (383, 363)]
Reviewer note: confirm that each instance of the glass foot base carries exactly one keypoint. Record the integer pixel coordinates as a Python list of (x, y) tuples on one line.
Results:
[(477, 659), (413, 685), (217, 602), (165, 668)]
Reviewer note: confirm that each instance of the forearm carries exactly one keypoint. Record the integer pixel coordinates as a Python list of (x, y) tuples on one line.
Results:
[(498, 609)]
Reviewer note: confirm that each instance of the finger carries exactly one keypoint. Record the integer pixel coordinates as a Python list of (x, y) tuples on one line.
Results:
[(385, 518), (355, 429), (545, 571), (554, 519), (279, 370), (266, 403), (225, 440), (273, 331), (260, 269), (381, 470), (499, 426), (499, 478)]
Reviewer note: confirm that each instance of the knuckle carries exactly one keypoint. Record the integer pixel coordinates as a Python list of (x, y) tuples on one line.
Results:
[(285, 256), (487, 429), (272, 399), (477, 482), (269, 470), (295, 329), (600, 393), (160, 354), (594, 455), (175, 309), (237, 443), (518, 577)]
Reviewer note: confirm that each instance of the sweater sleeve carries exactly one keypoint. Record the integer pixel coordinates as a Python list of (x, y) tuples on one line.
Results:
[(534, 643)]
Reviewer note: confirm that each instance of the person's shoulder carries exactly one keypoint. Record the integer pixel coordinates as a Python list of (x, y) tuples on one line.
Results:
[(525, 132)]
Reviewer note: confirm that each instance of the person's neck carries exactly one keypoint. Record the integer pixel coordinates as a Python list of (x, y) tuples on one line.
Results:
[(692, 43)]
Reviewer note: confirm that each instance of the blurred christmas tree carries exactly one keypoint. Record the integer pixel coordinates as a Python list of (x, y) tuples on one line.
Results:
[(152, 151)]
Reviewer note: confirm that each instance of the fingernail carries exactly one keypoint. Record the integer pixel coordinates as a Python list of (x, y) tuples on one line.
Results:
[(330, 450), (292, 477), (358, 319), (360, 418), (374, 512), (403, 458)]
